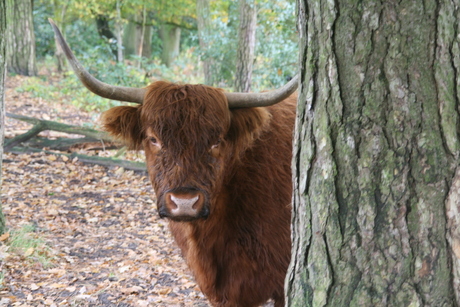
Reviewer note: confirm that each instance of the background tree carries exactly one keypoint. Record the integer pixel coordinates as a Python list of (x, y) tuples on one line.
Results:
[(171, 24), (59, 16), (119, 31), (170, 35), (20, 38), (275, 55), (2, 96), (105, 32), (377, 176), (137, 36), (246, 45), (203, 18)]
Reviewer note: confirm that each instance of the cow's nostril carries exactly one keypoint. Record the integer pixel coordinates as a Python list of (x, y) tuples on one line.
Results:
[(184, 202)]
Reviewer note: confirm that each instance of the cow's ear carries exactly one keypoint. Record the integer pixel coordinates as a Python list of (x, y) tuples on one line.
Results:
[(124, 123), (246, 126)]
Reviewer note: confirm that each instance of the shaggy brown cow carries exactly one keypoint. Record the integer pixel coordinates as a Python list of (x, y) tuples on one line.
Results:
[(221, 175)]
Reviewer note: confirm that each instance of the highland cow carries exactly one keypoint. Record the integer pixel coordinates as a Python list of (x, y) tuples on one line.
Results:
[(220, 165)]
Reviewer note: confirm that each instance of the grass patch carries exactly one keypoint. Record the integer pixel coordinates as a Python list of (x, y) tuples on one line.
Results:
[(2, 280), (27, 243)]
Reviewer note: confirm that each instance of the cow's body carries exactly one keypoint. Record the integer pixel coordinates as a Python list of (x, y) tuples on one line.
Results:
[(223, 177)]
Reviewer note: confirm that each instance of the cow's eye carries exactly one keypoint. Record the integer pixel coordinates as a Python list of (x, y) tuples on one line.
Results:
[(215, 145), (154, 141)]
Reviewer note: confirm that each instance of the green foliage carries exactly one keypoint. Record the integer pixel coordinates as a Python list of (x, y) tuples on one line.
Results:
[(27, 243), (130, 74), (43, 33), (137, 72), (179, 12), (276, 52), (112, 73)]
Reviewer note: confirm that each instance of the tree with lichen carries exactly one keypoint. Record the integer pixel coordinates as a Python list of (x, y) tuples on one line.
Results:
[(376, 155)]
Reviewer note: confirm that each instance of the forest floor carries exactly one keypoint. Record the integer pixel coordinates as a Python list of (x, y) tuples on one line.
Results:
[(90, 235)]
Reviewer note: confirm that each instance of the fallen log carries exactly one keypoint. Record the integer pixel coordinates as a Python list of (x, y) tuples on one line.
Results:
[(106, 161), (43, 125), (103, 140)]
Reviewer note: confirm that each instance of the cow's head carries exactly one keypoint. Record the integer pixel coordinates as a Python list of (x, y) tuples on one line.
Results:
[(192, 135)]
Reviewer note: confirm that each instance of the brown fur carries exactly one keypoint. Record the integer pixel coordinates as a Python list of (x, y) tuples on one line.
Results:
[(240, 253)]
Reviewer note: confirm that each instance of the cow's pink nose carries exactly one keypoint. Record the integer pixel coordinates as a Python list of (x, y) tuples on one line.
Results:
[(185, 204)]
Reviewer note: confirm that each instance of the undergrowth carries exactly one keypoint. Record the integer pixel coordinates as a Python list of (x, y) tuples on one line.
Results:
[(137, 72)]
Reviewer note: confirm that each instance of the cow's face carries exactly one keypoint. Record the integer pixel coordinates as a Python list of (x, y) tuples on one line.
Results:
[(191, 142)]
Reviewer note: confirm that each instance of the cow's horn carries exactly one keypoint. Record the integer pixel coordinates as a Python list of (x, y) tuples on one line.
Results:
[(100, 88), (248, 100)]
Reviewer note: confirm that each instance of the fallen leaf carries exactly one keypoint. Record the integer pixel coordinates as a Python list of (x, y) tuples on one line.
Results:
[(4, 236), (130, 290), (34, 287), (82, 290), (71, 289), (52, 212), (164, 291), (124, 268), (57, 286), (29, 252)]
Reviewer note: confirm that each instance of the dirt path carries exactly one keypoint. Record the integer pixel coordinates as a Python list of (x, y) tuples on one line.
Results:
[(107, 246)]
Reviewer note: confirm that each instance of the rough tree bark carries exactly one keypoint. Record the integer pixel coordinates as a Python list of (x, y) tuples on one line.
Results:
[(376, 155), (21, 38), (203, 16), (246, 45), (2, 97)]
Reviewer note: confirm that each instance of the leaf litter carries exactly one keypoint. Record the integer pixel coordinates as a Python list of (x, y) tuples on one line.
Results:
[(103, 242)]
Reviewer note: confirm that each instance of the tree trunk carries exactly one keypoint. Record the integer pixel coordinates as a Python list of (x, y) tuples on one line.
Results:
[(119, 31), (2, 98), (246, 45), (103, 28), (376, 155), (170, 35), (21, 38), (204, 27), (60, 10), (132, 39)]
